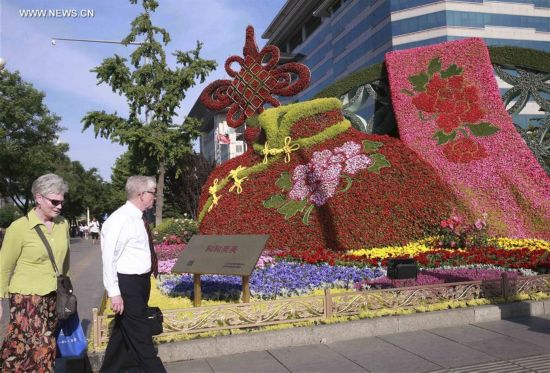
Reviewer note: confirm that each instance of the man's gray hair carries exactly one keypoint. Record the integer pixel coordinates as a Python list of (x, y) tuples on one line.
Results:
[(49, 183), (139, 184)]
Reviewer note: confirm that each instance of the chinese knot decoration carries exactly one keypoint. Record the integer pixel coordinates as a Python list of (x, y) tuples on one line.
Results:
[(444, 96), (255, 84)]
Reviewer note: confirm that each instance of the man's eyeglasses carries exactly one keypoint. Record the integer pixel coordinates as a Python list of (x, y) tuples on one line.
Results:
[(54, 202), (153, 193)]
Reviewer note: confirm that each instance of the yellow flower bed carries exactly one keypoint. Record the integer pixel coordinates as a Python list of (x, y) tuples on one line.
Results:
[(520, 243), (413, 248)]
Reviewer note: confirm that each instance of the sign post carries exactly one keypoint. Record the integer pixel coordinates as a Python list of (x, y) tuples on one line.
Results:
[(234, 255)]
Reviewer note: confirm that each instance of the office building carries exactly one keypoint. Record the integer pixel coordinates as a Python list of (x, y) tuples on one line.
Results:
[(335, 38)]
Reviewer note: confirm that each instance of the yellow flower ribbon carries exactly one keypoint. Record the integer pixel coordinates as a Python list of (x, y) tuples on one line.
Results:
[(287, 149), (215, 198), (236, 180)]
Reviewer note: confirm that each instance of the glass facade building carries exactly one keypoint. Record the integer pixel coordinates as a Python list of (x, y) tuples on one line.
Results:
[(352, 34), (335, 38)]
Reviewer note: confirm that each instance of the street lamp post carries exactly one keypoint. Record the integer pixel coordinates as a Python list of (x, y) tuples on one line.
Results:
[(54, 41)]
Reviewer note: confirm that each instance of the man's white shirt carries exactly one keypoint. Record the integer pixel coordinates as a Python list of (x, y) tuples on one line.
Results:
[(124, 246)]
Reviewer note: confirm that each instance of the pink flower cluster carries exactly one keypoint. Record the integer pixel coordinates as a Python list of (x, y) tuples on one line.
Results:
[(506, 181), (317, 181)]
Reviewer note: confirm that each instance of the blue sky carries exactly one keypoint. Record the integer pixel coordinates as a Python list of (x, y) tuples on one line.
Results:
[(62, 71)]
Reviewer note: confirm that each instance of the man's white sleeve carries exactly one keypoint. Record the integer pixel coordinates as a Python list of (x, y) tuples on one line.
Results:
[(113, 241)]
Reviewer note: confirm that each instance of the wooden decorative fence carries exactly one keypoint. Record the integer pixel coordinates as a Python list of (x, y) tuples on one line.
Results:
[(299, 309)]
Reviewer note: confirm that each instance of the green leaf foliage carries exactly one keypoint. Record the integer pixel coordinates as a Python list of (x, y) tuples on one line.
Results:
[(291, 208), (482, 129), (371, 146), (443, 138), (284, 181), (349, 182), (28, 139), (419, 81), (434, 66), (274, 202), (305, 218), (379, 162), (451, 71)]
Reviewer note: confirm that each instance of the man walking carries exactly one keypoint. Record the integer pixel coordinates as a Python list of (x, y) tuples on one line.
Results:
[(128, 261)]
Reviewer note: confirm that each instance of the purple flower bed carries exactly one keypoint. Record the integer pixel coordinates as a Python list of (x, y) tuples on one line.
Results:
[(438, 276), (169, 251), (282, 279)]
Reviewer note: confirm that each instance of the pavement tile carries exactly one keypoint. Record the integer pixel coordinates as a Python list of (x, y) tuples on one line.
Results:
[(257, 361), (506, 347), (438, 350), (465, 333), (539, 323), (540, 339), (376, 355), (189, 366), (315, 358)]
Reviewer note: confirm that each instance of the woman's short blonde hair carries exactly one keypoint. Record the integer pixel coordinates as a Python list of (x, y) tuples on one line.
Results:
[(139, 184), (49, 183)]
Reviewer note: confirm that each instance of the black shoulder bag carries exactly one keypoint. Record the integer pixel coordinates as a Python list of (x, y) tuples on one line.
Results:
[(66, 300)]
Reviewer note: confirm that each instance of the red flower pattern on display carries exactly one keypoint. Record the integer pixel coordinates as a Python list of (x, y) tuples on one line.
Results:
[(456, 109), (253, 86), (464, 150)]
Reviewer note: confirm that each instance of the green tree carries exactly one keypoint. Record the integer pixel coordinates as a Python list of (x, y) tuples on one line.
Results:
[(87, 191), (153, 91), (184, 189), (28, 139), (8, 213)]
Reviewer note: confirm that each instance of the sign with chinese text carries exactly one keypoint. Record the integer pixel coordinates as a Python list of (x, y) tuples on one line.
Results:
[(221, 255)]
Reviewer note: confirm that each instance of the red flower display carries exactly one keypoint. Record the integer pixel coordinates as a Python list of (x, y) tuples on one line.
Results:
[(456, 109), (376, 209), (464, 150), (253, 86)]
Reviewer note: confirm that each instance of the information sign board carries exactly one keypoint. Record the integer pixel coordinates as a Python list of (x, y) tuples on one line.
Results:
[(221, 255)]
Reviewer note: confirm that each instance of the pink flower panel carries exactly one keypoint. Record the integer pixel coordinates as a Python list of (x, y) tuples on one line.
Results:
[(494, 173)]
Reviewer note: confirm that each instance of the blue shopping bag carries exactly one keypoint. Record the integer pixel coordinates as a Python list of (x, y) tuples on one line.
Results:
[(71, 341)]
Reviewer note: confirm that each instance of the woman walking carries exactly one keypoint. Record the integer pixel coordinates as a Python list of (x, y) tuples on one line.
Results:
[(28, 279)]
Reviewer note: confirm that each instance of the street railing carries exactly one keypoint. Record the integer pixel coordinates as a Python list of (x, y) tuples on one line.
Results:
[(330, 305)]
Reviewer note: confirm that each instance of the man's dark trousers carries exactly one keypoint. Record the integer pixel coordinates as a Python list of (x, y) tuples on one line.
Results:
[(131, 343)]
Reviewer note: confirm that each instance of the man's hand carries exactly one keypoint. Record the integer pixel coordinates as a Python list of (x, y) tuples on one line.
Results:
[(117, 304)]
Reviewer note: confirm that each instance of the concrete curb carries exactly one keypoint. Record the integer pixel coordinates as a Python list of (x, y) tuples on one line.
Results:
[(234, 344)]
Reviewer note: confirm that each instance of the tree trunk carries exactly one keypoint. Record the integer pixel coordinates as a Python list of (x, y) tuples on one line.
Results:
[(160, 194)]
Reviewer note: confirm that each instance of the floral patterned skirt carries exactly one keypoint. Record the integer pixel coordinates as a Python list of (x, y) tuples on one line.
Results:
[(30, 344)]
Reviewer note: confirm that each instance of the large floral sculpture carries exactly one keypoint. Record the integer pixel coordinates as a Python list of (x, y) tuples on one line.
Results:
[(259, 78), (449, 111), (309, 180)]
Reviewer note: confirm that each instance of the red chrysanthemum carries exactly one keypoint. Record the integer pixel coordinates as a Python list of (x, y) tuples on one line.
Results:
[(447, 122), (425, 102), (464, 150)]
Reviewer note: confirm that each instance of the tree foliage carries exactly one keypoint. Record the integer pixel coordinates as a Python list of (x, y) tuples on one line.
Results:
[(87, 191), (183, 190), (153, 91), (28, 139)]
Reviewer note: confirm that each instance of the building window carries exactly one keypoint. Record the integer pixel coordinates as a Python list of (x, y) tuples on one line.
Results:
[(295, 40), (312, 24), (334, 7), (238, 149)]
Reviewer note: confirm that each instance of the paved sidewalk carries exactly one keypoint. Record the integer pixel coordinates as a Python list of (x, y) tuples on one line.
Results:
[(514, 345), (87, 278)]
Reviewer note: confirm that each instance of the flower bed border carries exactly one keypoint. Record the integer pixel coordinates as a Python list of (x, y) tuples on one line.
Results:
[(327, 306)]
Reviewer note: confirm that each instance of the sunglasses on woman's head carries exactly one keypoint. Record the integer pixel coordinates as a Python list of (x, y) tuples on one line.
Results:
[(54, 202)]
